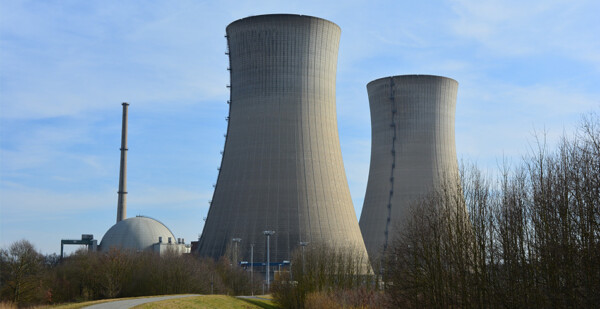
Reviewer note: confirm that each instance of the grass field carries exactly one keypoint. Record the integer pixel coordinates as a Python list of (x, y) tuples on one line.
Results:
[(210, 302), (8, 305), (205, 302)]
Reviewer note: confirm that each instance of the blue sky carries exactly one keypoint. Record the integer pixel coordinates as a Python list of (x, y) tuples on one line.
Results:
[(66, 66)]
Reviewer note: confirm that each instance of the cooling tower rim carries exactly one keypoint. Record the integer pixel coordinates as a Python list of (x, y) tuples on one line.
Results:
[(269, 16), (410, 76)]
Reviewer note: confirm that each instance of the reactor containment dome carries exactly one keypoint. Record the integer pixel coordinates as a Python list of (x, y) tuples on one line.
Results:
[(136, 234)]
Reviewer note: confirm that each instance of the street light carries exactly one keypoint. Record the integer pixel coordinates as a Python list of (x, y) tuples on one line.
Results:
[(268, 234), (235, 253), (252, 268), (303, 244)]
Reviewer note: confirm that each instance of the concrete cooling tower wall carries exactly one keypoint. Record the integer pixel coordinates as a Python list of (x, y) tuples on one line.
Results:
[(412, 150), (282, 166)]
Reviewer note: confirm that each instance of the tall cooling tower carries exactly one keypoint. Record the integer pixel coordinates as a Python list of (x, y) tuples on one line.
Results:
[(282, 166), (412, 150)]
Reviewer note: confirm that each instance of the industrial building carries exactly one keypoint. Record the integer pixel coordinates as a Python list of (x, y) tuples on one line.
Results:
[(282, 177), (412, 150)]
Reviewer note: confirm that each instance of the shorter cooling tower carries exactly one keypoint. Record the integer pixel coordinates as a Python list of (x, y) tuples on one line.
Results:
[(412, 150)]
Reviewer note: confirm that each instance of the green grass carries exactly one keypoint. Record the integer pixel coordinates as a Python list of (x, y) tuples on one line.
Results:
[(85, 304), (89, 303), (261, 303), (210, 302)]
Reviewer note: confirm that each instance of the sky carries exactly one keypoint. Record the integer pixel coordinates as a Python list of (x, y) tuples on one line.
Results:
[(66, 66)]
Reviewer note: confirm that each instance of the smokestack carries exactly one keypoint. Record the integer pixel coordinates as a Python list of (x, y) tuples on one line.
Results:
[(122, 204)]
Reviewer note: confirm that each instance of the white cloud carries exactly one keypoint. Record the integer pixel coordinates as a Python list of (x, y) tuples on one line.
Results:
[(517, 28), (172, 198), (81, 64), (20, 203), (496, 118)]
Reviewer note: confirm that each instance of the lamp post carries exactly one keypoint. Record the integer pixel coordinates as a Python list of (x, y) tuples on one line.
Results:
[(268, 234), (252, 268), (303, 244), (235, 253)]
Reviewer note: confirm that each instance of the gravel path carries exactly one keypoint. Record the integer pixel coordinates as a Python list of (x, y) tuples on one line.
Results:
[(255, 297), (128, 303)]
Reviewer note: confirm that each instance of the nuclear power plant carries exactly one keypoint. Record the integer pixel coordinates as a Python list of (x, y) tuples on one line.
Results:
[(281, 182), (412, 150), (282, 177)]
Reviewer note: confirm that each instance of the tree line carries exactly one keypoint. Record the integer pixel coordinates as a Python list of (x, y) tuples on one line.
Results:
[(525, 237), (30, 278)]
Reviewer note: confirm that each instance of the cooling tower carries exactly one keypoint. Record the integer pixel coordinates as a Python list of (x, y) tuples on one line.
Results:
[(282, 166), (412, 150)]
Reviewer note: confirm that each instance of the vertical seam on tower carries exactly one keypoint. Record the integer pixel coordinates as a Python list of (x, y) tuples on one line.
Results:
[(273, 62), (393, 152), (310, 65), (306, 135), (324, 130), (299, 151)]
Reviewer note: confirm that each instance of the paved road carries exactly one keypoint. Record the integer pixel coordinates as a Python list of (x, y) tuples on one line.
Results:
[(128, 303), (255, 297)]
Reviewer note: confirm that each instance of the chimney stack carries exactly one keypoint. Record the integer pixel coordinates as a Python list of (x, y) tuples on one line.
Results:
[(122, 204)]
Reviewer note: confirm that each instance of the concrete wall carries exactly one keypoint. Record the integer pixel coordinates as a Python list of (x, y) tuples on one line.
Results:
[(412, 150), (164, 248), (282, 166)]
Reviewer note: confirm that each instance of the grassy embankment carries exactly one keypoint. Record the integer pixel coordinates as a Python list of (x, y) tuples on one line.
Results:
[(210, 302), (10, 305), (207, 302)]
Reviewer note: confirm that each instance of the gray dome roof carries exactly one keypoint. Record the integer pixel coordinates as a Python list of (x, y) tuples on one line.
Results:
[(137, 233)]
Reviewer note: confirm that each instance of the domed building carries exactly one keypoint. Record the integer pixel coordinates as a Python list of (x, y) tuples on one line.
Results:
[(141, 234)]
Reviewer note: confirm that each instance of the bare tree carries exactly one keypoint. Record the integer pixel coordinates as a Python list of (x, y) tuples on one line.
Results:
[(531, 237), (327, 270), (20, 267)]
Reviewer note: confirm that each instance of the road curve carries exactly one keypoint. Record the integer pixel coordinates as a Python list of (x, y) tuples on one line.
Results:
[(255, 297), (128, 303)]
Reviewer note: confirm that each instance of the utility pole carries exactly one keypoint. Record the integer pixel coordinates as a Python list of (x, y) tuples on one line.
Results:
[(252, 268), (235, 252), (268, 234), (303, 244)]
